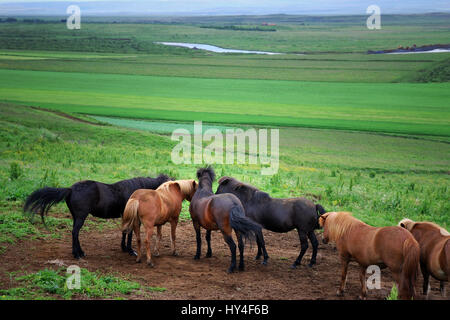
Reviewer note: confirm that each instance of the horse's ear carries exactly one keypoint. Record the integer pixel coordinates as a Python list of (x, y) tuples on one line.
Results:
[(194, 184), (175, 186), (240, 187), (224, 180)]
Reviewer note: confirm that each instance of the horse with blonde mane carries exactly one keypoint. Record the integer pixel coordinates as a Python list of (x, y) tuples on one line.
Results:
[(434, 242), (155, 208), (392, 247)]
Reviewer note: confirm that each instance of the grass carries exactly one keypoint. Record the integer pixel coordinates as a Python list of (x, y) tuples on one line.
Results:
[(393, 295), (382, 179), (48, 284), (396, 108)]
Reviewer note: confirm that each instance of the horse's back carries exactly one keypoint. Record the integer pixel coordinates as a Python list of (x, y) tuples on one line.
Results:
[(434, 249), (392, 246)]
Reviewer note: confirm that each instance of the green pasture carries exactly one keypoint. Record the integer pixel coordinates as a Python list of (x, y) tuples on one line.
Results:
[(380, 178), (408, 108)]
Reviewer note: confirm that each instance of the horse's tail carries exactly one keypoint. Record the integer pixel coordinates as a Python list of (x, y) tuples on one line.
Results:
[(411, 258), (240, 223), (130, 215), (320, 211), (41, 200)]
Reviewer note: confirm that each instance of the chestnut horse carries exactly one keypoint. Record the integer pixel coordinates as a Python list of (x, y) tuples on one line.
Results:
[(434, 244), (155, 208), (392, 247), (222, 212)]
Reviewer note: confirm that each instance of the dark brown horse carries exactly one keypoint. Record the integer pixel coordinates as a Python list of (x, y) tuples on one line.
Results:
[(434, 244), (102, 200), (222, 212), (277, 215), (391, 247)]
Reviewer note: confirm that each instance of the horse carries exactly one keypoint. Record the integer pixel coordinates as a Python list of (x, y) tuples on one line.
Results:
[(155, 208), (102, 200), (277, 215), (392, 247), (434, 244), (222, 212)]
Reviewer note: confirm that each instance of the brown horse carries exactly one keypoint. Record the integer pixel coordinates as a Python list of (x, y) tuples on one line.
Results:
[(434, 244), (222, 212), (155, 208), (391, 247)]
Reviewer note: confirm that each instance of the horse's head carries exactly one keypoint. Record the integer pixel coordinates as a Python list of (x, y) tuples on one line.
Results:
[(243, 191), (189, 187), (322, 224), (206, 176), (408, 224), (226, 185)]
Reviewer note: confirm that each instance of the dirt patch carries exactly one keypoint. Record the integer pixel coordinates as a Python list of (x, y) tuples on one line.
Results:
[(186, 278)]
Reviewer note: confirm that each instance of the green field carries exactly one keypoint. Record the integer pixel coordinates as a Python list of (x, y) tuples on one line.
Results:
[(364, 133)]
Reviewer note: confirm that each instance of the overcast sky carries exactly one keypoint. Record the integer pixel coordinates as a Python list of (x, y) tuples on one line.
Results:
[(224, 6)]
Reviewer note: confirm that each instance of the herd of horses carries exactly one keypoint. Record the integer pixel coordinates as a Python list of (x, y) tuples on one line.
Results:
[(246, 210)]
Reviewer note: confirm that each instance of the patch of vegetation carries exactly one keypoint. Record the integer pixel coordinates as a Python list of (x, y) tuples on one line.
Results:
[(440, 72), (52, 284)]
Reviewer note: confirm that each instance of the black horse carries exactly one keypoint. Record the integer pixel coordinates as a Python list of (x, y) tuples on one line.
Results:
[(102, 200), (278, 215)]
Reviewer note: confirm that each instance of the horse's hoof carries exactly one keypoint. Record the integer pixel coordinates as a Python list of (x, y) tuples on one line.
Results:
[(230, 270), (175, 254), (340, 293), (362, 297), (150, 264), (155, 254), (208, 255), (241, 268), (132, 253), (257, 257), (196, 257), (311, 265), (264, 263), (294, 266)]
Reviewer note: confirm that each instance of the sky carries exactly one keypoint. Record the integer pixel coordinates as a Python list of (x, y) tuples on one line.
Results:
[(205, 7)]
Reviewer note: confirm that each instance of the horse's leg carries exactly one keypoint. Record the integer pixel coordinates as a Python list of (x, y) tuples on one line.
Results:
[(122, 243), (173, 228), (442, 288), (426, 278), (76, 247), (304, 247), (241, 251), (158, 241), (148, 240), (229, 240), (362, 278), (315, 246), (129, 249), (344, 261), (208, 241), (199, 240), (261, 247), (137, 232)]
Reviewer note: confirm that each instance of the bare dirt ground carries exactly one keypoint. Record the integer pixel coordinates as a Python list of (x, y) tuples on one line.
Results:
[(186, 278)]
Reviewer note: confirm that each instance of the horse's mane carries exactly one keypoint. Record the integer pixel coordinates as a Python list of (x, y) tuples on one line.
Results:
[(409, 224), (208, 170), (257, 195), (186, 186), (143, 182), (340, 223)]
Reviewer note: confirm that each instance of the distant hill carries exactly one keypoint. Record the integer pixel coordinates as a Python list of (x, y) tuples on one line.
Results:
[(221, 7)]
